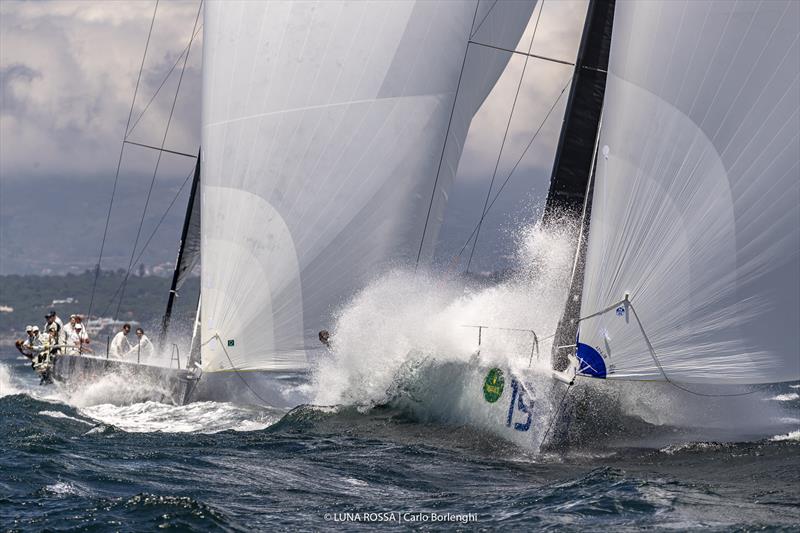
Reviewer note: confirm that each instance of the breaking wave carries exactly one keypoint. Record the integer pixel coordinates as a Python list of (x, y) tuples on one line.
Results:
[(786, 397), (793, 435), (197, 417)]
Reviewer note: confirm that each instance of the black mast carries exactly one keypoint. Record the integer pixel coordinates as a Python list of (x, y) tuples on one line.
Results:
[(576, 145), (571, 181), (176, 275)]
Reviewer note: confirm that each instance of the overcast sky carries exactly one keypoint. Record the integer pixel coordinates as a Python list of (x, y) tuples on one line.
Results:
[(68, 71)]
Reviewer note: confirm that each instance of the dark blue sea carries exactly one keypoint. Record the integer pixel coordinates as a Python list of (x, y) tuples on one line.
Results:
[(102, 465)]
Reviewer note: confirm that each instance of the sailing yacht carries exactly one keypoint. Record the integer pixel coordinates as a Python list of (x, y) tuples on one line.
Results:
[(680, 152), (331, 133)]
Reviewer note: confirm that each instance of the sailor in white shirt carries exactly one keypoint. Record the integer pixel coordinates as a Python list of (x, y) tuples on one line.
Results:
[(69, 327), (72, 339), (28, 347), (144, 350), (83, 337), (82, 329), (119, 344)]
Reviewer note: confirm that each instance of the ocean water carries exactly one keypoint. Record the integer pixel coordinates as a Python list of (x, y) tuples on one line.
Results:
[(394, 431), (72, 464)]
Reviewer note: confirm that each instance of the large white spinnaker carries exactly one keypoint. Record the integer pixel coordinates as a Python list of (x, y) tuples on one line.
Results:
[(324, 125), (696, 209)]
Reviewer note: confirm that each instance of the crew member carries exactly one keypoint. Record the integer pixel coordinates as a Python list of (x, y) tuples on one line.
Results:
[(69, 327), (84, 335), (119, 344), (52, 318), (144, 349), (324, 338), (25, 346), (72, 338), (54, 340), (83, 339)]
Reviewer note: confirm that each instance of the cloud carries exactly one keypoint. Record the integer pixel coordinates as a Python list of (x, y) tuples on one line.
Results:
[(68, 70), (68, 75)]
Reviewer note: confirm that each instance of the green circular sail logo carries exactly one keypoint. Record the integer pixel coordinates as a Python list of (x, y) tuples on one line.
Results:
[(493, 385)]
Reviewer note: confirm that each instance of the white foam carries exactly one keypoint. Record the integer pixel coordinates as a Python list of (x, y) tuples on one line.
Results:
[(794, 386), (405, 335), (690, 446), (401, 318), (794, 435), (786, 397), (59, 414), (62, 488), (200, 417), (7, 384)]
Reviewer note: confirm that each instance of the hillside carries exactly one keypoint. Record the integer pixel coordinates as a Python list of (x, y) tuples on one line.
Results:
[(25, 300)]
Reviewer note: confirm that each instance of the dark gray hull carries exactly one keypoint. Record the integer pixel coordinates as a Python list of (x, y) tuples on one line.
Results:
[(275, 389), (166, 385)]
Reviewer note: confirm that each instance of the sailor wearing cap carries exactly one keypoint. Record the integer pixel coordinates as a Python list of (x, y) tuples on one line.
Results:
[(83, 338), (30, 345), (54, 340), (72, 337), (52, 318)]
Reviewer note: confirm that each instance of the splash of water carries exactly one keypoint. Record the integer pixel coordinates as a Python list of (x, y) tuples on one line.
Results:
[(197, 417), (402, 319), (403, 341), (7, 384)]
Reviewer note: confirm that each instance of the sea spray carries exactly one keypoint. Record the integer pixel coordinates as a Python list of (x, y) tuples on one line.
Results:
[(7, 384), (403, 316), (411, 339)]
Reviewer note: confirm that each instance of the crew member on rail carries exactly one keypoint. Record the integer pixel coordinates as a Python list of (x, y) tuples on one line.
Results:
[(29, 346), (83, 337), (52, 318), (120, 345), (144, 349), (72, 337)]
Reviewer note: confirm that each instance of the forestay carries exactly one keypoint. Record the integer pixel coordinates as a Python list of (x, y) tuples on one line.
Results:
[(696, 213), (324, 124)]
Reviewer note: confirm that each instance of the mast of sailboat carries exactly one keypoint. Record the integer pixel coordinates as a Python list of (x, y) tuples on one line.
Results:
[(570, 191), (179, 262)]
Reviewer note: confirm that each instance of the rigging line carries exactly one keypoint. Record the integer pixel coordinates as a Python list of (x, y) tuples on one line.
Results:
[(663, 373), (119, 161), (626, 301), (483, 19), (158, 162), (557, 414), (505, 136), (135, 122), (150, 238), (528, 54), (444, 144), (160, 149), (236, 370), (514, 168)]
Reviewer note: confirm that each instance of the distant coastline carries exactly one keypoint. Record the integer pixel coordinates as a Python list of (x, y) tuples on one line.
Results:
[(24, 299)]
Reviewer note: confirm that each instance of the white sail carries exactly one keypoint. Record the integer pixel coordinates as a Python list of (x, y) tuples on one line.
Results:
[(324, 125), (696, 209)]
